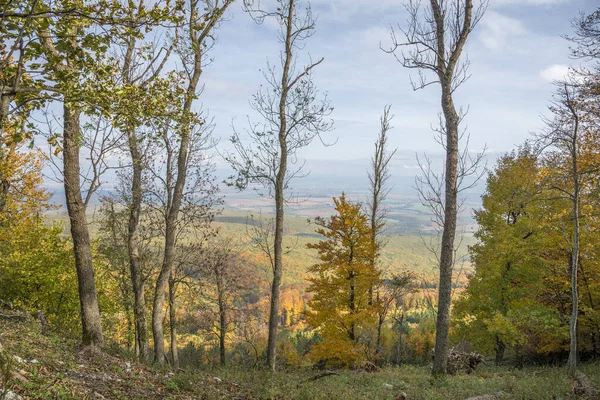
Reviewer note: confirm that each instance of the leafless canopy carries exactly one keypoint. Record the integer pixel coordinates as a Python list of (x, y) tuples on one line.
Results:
[(306, 111), (430, 183), (379, 174), (416, 46)]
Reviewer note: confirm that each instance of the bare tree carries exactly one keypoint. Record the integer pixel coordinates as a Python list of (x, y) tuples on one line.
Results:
[(435, 37), (185, 272), (221, 274), (564, 142), (391, 293), (192, 51), (379, 175), (292, 119)]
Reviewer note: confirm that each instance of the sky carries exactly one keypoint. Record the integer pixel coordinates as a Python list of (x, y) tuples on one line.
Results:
[(515, 53)]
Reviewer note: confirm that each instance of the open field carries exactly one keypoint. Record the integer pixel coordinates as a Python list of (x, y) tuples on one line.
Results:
[(408, 233)]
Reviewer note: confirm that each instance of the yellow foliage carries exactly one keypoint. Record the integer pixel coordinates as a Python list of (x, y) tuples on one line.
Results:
[(342, 306)]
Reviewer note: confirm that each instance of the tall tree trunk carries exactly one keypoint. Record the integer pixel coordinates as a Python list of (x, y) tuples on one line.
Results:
[(572, 362), (173, 323), (159, 294), (173, 208), (352, 335), (222, 330), (449, 232), (380, 321), (399, 346), (500, 347), (88, 299), (277, 265), (279, 198), (137, 281)]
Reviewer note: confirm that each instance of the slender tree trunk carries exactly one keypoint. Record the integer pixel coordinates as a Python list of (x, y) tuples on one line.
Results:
[(279, 198), (378, 342), (159, 296), (400, 346), (137, 281), (174, 207), (572, 362), (519, 359), (90, 313), (380, 320), (173, 323), (500, 347), (352, 334), (222, 331), (448, 234), (169, 249), (277, 266)]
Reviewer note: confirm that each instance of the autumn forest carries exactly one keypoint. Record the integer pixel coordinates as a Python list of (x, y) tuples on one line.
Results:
[(147, 280)]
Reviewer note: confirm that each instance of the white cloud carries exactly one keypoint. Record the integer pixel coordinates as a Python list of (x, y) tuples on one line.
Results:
[(497, 29), (555, 72), (343, 10), (527, 2)]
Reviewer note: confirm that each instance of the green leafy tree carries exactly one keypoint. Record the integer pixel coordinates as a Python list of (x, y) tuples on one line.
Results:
[(503, 304)]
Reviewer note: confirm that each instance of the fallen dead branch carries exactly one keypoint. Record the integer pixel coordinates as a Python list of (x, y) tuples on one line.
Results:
[(319, 376)]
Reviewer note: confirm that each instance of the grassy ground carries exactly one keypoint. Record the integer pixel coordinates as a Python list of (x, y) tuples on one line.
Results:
[(45, 365), (414, 382)]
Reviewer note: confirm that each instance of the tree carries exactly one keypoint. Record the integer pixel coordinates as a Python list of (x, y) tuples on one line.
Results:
[(293, 118), (221, 273), (378, 191), (502, 300), (564, 135), (436, 36), (145, 97), (196, 207), (199, 31), (390, 294), (112, 247), (36, 262), (379, 175), (69, 47), (587, 36), (341, 305)]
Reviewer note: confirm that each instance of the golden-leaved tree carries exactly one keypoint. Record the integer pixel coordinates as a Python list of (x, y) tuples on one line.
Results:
[(36, 266), (341, 307)]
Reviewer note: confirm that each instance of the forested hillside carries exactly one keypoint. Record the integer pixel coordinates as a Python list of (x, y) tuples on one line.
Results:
[(148, 249)]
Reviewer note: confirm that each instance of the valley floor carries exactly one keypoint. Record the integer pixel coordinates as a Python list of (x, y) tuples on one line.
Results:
[(44, 365)]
